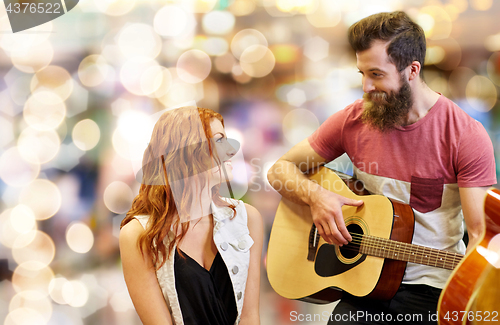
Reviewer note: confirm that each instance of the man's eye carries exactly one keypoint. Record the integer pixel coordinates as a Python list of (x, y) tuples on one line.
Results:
[(377, 74)]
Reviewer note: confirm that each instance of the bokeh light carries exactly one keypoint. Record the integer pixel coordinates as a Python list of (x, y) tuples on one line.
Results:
[(12, 233), (164, 86), (152, 79), (86, 134), (218, 22), (434, 55), (32, 276), (316, 49), (38, 147), (200, 6), (435, 21), (25, 316), (15, 170), (118, 197), (22, 219), (194, 66), (34, 59), (172, 21), (492, 42), (285, 54), (75, 293), (481, 5), (246, 38), (139, 40), (215, 46), (135, 127), (32, 301), (121, 145), (327, 14), (298, 124), (115, 7), (257, 61), (55, 289), (242, 7), (481, 93), (6, 132), (493, 68), (42, 197), (239, 75), (41, 249), (79, 237), (44, 111), (134, 75), (52, 79), (93, 70)]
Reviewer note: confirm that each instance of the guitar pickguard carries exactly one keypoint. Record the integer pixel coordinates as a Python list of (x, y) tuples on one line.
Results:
[(328, 264), (333, 260)]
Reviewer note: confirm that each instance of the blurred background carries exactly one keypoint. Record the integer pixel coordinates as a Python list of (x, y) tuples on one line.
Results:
[(75, 91)]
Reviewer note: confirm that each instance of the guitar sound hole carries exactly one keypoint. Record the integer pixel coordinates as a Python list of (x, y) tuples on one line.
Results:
[(351, 250)]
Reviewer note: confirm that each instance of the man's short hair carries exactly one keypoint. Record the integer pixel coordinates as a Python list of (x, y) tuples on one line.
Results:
[(406, 38)]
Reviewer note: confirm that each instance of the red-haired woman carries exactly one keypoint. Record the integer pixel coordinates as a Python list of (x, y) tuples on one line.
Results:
[(190, 256)]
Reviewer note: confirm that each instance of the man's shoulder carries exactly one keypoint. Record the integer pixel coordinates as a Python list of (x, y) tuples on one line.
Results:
[(356, 106), (451, 108), (351, 112)]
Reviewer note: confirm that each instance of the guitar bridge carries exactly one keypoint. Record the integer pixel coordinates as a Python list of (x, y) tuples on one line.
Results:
[(313, 243)]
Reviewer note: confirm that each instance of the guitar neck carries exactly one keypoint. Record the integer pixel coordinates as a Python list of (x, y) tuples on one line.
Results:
[(386, 248)]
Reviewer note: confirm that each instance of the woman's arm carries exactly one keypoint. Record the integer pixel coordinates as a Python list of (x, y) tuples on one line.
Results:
[(140, 277), (250, 312)]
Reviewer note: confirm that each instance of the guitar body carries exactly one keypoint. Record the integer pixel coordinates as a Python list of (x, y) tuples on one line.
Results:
[(331, 270), (473, 287)]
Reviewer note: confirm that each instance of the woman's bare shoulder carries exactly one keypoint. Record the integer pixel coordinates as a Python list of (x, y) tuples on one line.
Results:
[(131, 231), (253, 215)]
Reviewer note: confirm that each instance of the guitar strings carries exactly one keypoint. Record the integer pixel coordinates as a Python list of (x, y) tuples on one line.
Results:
[(371, 242), (452, 261), (446, 263), (387, 248), (377, 242)]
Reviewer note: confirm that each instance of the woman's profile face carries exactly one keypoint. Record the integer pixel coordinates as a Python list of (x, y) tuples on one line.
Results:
[(222, 151)]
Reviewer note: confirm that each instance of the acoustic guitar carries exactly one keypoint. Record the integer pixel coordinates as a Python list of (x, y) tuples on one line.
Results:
[(472, 293), (301, 265)]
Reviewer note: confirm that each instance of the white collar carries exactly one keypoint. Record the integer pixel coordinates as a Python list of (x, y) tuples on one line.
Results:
[(222, 213)]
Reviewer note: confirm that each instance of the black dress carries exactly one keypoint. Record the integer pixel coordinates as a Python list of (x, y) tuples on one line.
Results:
[(205, 297)]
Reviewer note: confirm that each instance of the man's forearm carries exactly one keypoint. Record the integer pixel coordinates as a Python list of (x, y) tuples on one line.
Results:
[(286, 178)]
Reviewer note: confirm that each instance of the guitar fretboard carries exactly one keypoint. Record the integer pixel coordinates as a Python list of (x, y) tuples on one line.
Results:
[(386, 248)]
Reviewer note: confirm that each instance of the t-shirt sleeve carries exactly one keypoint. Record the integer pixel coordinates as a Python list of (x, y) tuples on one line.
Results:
[(476, 160), (327, 139)]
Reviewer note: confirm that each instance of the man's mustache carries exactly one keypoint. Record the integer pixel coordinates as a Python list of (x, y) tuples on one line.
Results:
[(376, 96)]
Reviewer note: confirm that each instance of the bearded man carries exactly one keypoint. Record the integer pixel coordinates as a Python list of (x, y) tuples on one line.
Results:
[(427, 151)]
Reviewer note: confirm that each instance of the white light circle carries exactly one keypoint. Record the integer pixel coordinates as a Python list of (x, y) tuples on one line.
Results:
[(171, 21), (79, 237), (194, 66), (218, 22)]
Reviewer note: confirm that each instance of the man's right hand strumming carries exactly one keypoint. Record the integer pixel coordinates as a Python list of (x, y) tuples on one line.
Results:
[(326, 206)]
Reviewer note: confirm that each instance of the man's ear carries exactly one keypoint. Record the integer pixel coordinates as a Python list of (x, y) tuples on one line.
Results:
[(414, 70)]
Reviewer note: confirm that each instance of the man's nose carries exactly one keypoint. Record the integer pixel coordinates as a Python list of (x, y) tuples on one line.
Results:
[(368, 85)]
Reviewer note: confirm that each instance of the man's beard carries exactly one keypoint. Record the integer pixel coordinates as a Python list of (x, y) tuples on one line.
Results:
[(385, 112)]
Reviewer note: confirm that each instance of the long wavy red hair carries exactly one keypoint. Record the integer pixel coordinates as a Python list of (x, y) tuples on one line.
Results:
[(179, 149)]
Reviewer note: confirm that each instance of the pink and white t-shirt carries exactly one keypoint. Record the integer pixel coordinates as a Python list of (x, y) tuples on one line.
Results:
[(422, 164)]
